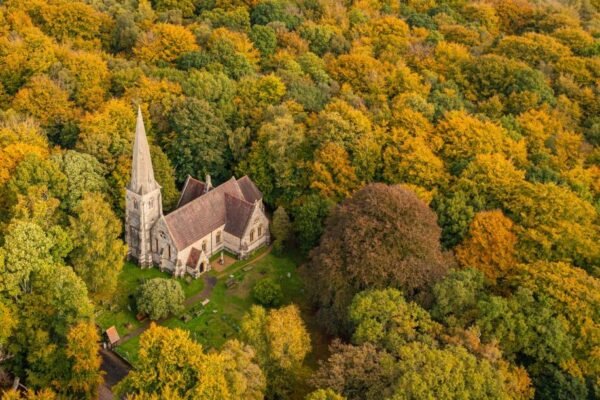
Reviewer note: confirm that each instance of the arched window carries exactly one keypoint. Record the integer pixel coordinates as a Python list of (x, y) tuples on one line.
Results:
[(252, 235), (259, 230), (218, 237), (204, 245), (135, 204)]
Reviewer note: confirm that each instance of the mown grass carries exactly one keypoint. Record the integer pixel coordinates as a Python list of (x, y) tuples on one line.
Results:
[(220, 318), (121, 311)]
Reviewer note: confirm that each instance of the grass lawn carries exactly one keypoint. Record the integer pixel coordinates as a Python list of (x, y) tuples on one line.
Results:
[(219, 320), (212, 325), (121, 311)]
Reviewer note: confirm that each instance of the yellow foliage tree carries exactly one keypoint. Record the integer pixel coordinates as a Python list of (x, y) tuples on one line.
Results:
[(46, 100), (490, 245), (165, 42), (413, 162), (82, 352), (88, 77), (157, 99), (333, 175), (281, 343), (25, 53), (466, 136), (173, 366)]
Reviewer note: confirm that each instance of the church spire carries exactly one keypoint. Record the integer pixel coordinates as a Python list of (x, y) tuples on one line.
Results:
[(142, 174)]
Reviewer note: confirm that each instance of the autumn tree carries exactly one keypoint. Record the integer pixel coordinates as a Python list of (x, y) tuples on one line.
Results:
[(186, 7), (490, 245), (332, 174), (44, 394), (164, 42), (56, 301), (45, 99), (182, 365), (382, 236), (107, 134), (356, 372), (34, 172), (324, 394), (274, 159), (281, 343), (98, 251), (7, 324), (244, 376), (572, 294), (525, 323), (84, 361), (385, 319), (451, 372)]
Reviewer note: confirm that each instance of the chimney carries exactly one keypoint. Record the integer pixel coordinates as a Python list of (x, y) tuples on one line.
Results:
[(208, 183)]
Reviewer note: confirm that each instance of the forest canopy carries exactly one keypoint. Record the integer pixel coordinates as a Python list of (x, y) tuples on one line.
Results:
[(441, 158)]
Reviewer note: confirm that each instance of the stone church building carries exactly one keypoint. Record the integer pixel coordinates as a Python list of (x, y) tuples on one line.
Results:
[(207, 219)]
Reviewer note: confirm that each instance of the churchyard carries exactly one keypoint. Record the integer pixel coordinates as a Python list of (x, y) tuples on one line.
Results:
[(211, 322)]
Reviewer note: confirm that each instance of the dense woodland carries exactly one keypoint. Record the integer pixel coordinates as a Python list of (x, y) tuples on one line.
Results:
[(438, 163)]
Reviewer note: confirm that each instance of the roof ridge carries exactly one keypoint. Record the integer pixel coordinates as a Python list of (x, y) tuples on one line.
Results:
[(242, 200), (204, 195)]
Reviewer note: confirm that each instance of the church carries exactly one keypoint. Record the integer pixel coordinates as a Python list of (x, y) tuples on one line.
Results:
[(207, 219)]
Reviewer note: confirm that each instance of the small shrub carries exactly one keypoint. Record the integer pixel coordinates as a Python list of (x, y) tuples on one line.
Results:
[(267, 293)]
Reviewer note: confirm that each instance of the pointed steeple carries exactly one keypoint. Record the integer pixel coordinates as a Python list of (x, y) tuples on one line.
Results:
[(142, 174)]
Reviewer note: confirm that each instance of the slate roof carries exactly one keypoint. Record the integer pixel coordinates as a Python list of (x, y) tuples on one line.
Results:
[(193, 258), (238, 215), (249, 189), (223, 205), (192, 189)]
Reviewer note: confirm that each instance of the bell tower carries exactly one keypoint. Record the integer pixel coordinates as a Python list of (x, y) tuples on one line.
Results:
[(143, 202)]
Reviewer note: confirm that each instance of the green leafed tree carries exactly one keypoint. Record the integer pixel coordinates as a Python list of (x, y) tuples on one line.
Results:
[(158, 298), (198, 146), (267, 292), (98, 251)]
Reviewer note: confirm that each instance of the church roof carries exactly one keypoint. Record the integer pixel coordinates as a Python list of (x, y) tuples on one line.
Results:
[(193, 258), (192, 189), (142, 173), (238, 215), (249, 189), (197, 217)]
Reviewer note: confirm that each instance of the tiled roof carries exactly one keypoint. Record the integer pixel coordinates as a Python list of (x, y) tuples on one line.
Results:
[(238, 214), (205, 213), (193, 258), (192, 189), (113, 335), (249, 189)]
